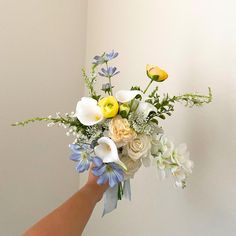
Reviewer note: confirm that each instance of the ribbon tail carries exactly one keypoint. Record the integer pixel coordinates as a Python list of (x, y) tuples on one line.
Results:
[(127, 189), (110, 200)]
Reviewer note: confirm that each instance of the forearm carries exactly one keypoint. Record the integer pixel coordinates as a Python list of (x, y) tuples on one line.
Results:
[(72, 216)]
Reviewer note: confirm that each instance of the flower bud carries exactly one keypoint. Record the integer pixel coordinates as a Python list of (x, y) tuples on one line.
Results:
[(124, 110), (155, 73)]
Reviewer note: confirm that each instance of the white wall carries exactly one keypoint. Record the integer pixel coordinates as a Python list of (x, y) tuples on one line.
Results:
[(42, 47), (195, 42)]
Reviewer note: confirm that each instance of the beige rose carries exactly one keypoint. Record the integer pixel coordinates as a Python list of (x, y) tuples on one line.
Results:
[(132, 166), (120, 131), (139, 147)]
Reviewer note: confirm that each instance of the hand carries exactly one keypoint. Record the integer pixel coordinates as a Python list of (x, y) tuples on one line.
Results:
[(97, 189)]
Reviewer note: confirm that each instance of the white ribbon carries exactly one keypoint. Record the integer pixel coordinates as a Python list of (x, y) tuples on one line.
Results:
[(111, 197), (110, 200), (127, 189)]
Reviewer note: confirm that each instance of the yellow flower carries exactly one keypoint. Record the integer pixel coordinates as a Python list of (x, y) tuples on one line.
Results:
[(109, 106), (156, 73), (120, 131)]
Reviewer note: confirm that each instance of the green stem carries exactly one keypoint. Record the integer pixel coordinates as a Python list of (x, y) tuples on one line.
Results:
[(110, 93), (148, 86), (54, 120), (111, 86), (120, 191)]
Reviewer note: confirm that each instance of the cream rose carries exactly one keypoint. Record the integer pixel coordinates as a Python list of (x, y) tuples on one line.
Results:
[(120, 131), (132, 166), (139, 147)]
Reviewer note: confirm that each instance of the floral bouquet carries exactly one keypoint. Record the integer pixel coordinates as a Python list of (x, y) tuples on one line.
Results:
[(117, 133)]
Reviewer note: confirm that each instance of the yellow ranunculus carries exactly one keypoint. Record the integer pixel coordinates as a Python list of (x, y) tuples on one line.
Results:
[(109, 106), (156, 73)]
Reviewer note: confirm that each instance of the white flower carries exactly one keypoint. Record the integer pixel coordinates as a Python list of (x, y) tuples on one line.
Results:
[(107, 151), (181, 157), (179, 175), (88, 112), (132, 166), (139, 147), (162, 147), (124, 96), (145, 108), (183, 165)]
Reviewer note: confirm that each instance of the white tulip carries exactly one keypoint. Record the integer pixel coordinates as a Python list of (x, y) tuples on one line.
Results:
[(107, 151), (124, 96), (88, 112)]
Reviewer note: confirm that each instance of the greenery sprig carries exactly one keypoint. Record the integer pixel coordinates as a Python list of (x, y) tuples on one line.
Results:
[(165, 105)]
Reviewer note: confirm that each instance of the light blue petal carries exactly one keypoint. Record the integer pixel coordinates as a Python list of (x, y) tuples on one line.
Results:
[(75, 148), (112, 179), (119, 174), (102, 179), (97, 161), (98, 171), (75, 157)]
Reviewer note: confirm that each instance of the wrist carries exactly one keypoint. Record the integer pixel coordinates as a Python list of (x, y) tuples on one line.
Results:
[(96, 191)]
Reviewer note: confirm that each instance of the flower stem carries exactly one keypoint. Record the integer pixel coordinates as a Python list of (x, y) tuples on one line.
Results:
[(148, 86), (110, 93), (110, 86)]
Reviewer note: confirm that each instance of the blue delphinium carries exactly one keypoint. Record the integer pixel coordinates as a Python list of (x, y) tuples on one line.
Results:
[(80, 154), (110, 172), (109, 72)]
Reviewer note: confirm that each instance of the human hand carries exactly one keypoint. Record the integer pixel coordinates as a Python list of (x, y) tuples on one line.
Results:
[(97, 189)]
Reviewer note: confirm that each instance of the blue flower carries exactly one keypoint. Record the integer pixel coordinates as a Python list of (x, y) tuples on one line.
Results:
[(110, 172), (111, 55), (109, 72), (98, 60), (81, 156), (104, 58)]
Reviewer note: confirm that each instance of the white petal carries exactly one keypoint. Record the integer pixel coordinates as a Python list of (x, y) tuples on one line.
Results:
[(182, 148), (88, 112), (107, 151), (89, 101), (146, 108), (124, 96)]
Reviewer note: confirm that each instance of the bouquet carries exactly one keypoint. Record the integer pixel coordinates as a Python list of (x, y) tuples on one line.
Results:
[(116, 133)]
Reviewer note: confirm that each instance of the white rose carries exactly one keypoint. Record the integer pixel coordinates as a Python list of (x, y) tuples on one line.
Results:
[(132, 166), (139, 147)]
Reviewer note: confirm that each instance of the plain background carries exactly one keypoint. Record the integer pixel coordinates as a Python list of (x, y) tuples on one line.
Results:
[(42, 51), (44, 45)]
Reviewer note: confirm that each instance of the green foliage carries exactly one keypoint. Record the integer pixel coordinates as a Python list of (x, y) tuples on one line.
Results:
[(89, 82), (136, 88), (165, 105), (67, 121), (194, 99)]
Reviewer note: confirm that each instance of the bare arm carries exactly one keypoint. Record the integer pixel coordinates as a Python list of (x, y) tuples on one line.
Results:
[(71, 217)]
